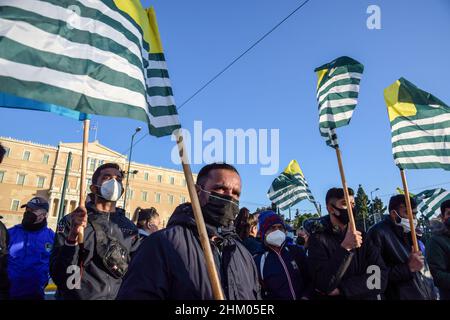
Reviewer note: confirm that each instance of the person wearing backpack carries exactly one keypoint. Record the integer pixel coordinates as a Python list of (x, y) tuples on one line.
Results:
[(282, 267)]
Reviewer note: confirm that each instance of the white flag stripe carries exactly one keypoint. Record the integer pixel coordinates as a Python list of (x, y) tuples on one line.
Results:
[(291, 190), (81, 84), (422, 159), (164, 121), (419, 134), (20, 31), (437, 199), (286, 204), (338, 103), (104, 9), (343, 76), (153, 64), (422, 122), (336, 117), (422, 146), (160, 101), (75, 21), (340, 89), (289, 195), (158, 82)]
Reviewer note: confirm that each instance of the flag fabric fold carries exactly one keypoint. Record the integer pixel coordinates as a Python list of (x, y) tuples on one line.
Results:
[(337, 95), (290, 187), (97, 57), (429, 202), (420, 127)]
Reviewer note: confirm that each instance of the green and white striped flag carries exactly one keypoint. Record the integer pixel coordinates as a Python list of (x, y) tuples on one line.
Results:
[(290, 187), (429, 202), (420, 127), (98, 57), (337, 95)]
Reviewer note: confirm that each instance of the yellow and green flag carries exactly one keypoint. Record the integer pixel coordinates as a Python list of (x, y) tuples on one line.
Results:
[(290, 187), (337, 95), (97, 57), (420, 127)]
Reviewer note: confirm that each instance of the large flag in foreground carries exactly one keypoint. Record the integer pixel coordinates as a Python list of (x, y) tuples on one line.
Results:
[(429, 201), (420, 127), (98, 57), (290, 187), (337, 95)]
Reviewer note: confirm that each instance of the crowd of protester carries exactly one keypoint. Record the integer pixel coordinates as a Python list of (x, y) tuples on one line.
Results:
[(257, 255)]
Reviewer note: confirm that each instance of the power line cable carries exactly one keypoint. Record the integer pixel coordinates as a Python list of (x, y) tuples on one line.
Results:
[(231, 63)]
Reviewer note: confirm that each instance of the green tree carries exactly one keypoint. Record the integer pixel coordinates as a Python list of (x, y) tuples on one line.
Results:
[(377, 209), (299, 218), (362, 208)]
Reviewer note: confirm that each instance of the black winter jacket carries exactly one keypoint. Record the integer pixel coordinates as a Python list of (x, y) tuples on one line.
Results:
[(331, 266), (395, 247), (96, 282), (438, 258), (171, 264)]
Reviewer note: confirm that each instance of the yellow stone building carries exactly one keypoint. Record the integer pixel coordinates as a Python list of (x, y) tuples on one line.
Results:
[(30, 169)]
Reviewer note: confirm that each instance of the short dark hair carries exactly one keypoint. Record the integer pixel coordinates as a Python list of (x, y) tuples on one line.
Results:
[(204, 172), (337, 193), (396, 201), (445, 205), (104, 166), (2, 152)]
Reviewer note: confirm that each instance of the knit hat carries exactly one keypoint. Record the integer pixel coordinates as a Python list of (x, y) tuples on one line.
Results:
[(266, 220)]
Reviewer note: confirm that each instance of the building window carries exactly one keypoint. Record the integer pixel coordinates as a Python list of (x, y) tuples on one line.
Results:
[(172, 180), (40, 182), (183, 182), (159, 178), (7, 151), (182, 199), (144, 196), (157, 197), (100, 162), (130, 194), (2, 175), (45, 158), (91, 164), (146, 176), (20, 179), (26, 155), (15, 205), (170, 198)]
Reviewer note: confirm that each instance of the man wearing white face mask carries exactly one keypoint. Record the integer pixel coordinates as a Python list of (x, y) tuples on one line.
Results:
[(393, 237), (110, 239), (282, 267)]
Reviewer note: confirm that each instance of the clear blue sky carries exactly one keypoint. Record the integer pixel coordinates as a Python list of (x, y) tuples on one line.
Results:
[(274, 85)]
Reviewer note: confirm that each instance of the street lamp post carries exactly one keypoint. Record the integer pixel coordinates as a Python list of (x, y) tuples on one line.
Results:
[(128, 171), (371, 201)]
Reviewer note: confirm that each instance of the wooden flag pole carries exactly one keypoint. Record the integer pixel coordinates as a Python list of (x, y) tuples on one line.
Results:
[(409, 211), (83, 176), (346, 195), (204, 239)]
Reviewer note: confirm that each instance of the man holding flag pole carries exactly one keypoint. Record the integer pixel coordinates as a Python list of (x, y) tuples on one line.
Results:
[(420, 129), (105, 58)]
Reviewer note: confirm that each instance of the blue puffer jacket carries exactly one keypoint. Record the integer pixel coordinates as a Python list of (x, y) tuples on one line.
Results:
[(28, 263)]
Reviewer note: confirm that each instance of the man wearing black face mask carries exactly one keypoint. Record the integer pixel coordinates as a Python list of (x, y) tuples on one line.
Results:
[(337, 259), (392, 235), (171, 263), (94, 271), (29, 250)]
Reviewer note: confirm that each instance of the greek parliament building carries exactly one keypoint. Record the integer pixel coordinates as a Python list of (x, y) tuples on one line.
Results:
[(31, 169)]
